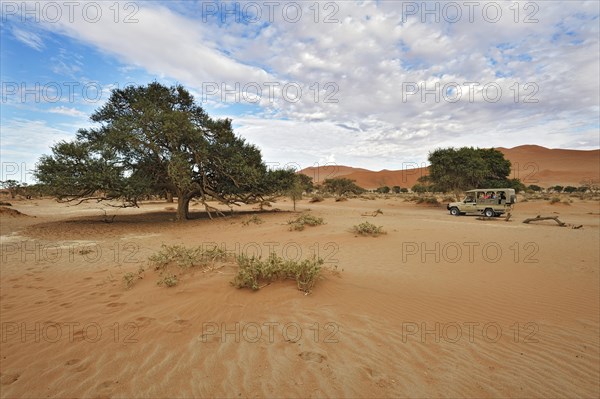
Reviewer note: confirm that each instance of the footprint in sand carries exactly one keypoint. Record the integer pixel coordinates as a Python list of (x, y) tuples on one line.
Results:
[(7, 379), (144, 321), (177, 326), (74, 362), (312, 357), (115, 305)]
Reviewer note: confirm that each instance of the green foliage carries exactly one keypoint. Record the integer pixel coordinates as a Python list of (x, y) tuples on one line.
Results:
[(131, 278), (383, 190), (169, 280), (316, 198), (419, 188), (465, 168), (368, 229), (185, 258), (569, 189), (516, 184), (396, 189), (404, 190), (534, 187), (155, 139), (304, 220), (254, 273), (341, 186), (557, 189)]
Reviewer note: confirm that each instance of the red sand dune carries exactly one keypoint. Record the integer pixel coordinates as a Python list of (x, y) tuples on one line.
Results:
[(531, 163)]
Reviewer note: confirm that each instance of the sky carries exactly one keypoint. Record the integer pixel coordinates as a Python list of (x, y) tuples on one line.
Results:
[(370, 84)]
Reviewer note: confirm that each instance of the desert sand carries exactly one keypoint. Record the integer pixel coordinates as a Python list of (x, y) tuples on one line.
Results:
[(440, 306), (532, 164)]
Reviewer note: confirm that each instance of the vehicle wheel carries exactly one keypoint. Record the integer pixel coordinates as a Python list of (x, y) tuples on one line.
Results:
[(454, 211), (489, 213)]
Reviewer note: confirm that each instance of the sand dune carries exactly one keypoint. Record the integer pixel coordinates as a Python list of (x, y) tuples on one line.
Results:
[(530, 163), (440, 306)]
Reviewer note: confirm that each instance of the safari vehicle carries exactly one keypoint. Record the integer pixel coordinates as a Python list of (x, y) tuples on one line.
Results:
[(487, 201)]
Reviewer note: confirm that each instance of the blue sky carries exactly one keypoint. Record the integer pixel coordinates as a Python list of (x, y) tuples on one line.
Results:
[(371, 84)]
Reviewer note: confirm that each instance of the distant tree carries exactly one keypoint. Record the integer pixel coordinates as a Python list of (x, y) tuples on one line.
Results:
[(569, 189), (299, 184), (341, 185), (154, 139), (557, 189), (465, 168), (305, 182), (534, 187), (383, 190), (516, 184), (404, 190), (12, 186), (419, 188), (396, 189)]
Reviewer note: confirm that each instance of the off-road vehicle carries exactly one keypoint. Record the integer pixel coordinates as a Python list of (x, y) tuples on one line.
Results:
[(486, 201)]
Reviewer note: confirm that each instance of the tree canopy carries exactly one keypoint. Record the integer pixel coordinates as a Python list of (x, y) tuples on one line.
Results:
[(155, 140), (341, 185), (467, 168)]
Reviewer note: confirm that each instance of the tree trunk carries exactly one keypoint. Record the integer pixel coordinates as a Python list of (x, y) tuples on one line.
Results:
[(169, 197), (183, 205)]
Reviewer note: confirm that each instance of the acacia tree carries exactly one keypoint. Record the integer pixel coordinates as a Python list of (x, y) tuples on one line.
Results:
[(154, 139), (463, 168)]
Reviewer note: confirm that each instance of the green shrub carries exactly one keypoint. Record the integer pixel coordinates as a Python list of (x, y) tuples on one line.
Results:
[(184, 258), (170, 280), (131, 278), (254, 273), (303, 220), (368, 229)]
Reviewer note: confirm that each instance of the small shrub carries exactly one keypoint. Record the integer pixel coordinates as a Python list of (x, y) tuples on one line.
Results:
[(253, 219), (303, 220), (254, 273), (428, 201), (368, 229), (316, 198), (554, 200), (185, 258), (341, 199), (169, 280), (131, 278)]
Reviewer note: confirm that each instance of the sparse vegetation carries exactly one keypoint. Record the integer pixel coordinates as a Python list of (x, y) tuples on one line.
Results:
[(185, 258), (255, 274), (428, 201), (554, 200), (303, 220), (316, 198), (255, 219), (368, 229), (131, 278)]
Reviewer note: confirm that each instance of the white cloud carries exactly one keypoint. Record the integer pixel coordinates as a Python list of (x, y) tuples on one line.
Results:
[(29, 38), (67, 111), (369, 58)]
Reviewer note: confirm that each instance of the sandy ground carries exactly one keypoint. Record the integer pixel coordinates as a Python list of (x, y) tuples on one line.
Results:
[(440, 306)]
